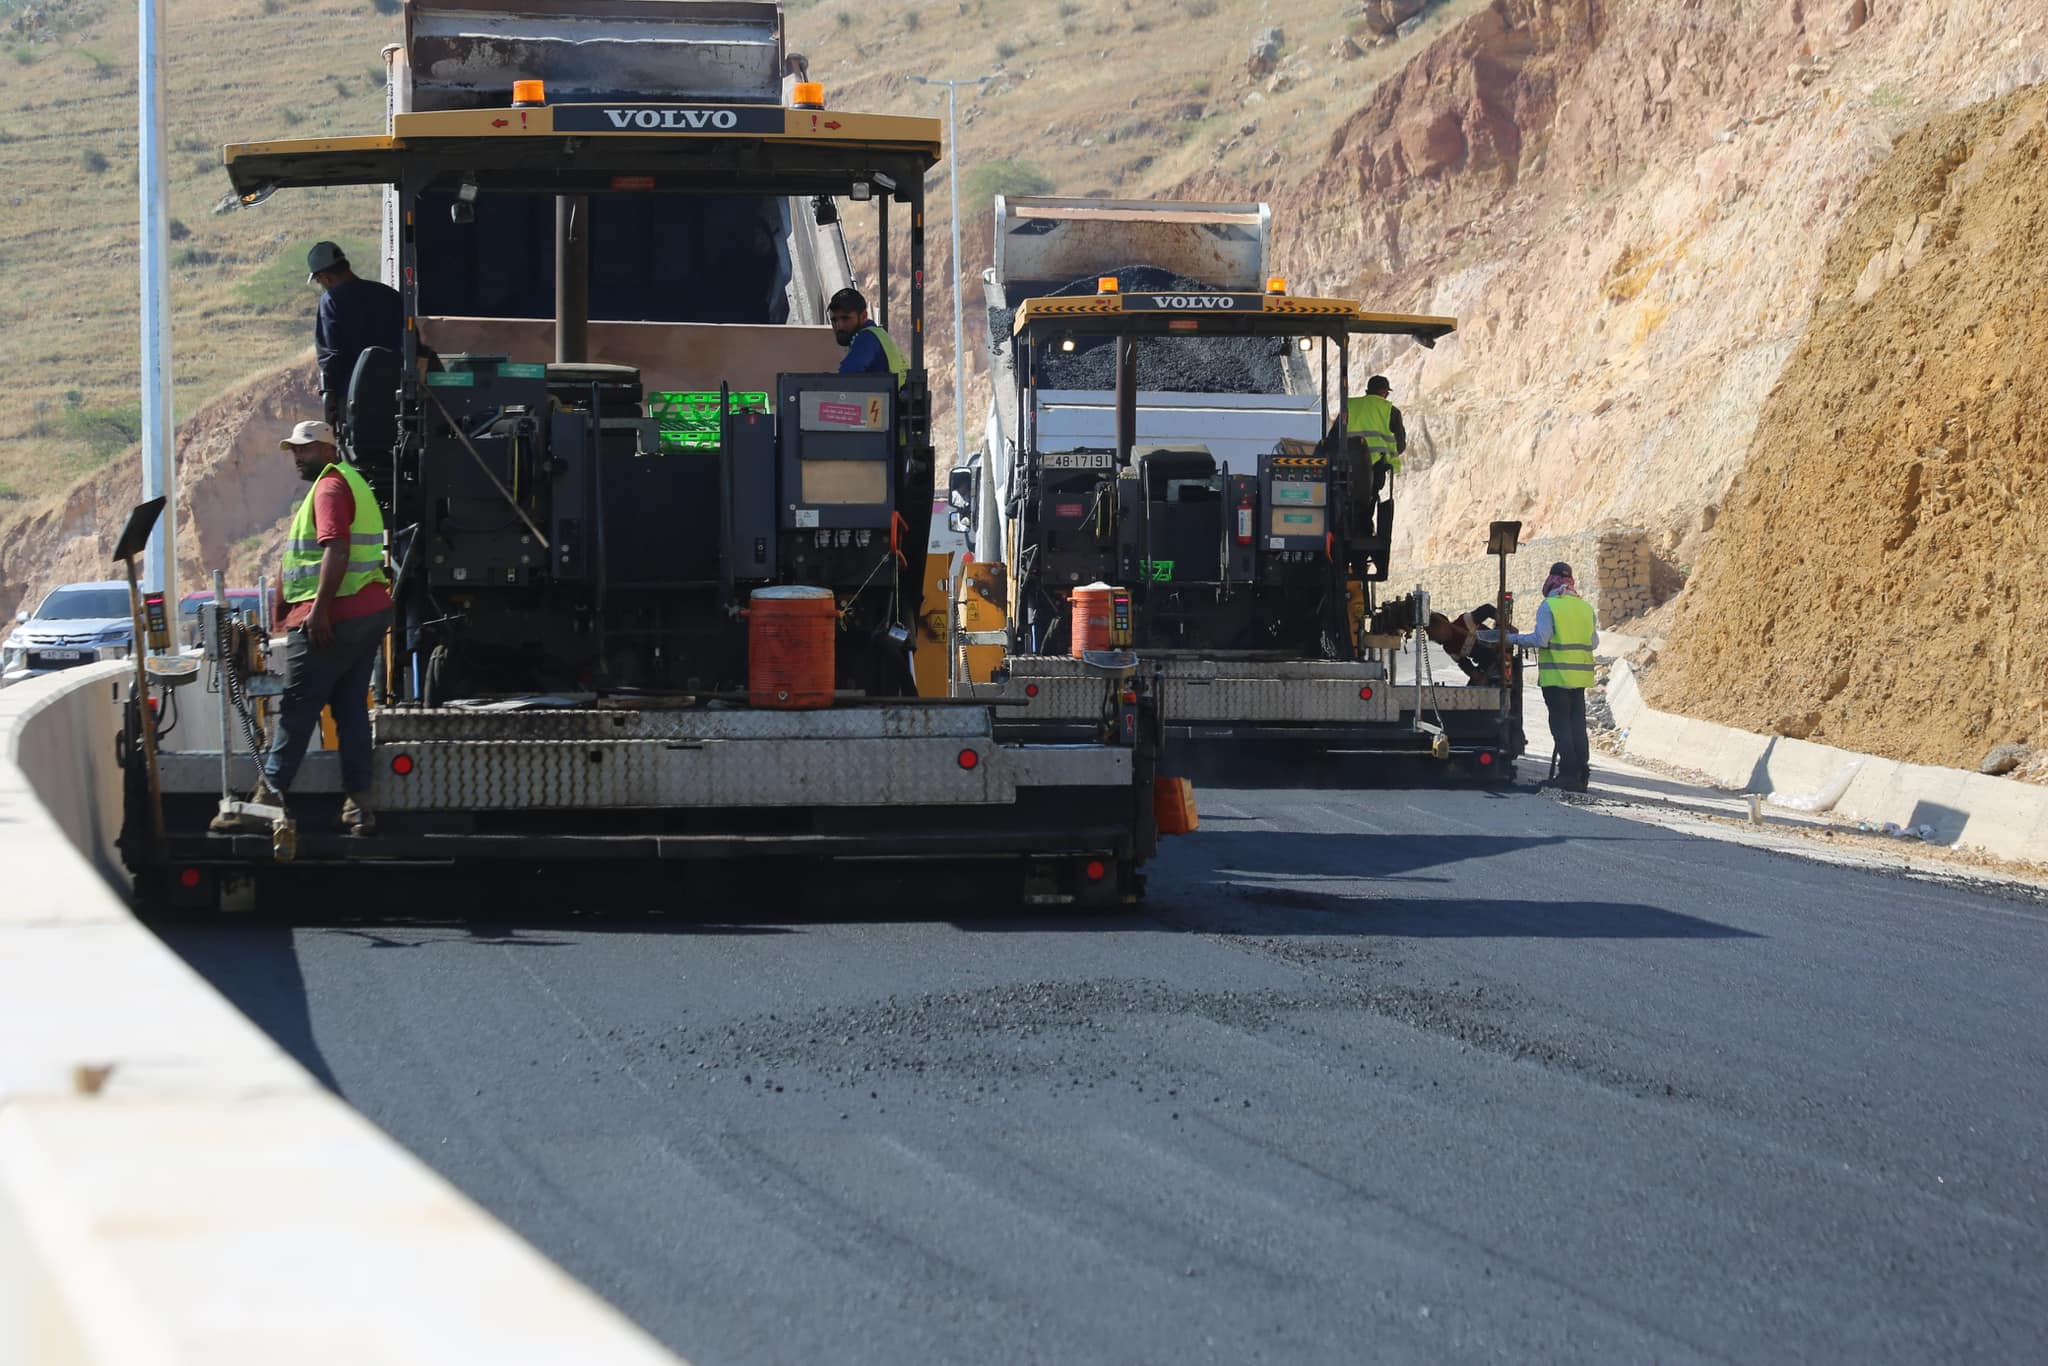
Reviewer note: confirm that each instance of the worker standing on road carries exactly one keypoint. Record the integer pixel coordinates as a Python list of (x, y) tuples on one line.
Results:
[(355, 314), (338, 607), (869, 350), (1564, 638)]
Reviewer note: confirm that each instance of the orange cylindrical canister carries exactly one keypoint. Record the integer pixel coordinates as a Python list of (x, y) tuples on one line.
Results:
[(790, 633), (1094, 618)]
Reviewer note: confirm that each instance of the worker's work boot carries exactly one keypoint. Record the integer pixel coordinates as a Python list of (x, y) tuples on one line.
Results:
[(356, 816), (243, 823)]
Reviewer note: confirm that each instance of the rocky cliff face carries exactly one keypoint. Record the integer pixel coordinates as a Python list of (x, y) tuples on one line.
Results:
[(1877, 576), (1626, 204)]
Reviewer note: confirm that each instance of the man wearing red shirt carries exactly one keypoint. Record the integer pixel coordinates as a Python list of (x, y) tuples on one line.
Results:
[(337, 610)]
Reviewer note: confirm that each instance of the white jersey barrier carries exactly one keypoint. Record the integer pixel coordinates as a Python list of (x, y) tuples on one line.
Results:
[(173, 1187), (1949, 806)]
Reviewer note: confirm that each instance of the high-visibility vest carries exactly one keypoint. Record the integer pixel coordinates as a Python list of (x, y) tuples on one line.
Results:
[(898, 366), (365, 543), (1370, 418), (1567, 661)]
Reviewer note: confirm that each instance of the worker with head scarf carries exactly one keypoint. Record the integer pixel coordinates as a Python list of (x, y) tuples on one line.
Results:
[(1564, 638)]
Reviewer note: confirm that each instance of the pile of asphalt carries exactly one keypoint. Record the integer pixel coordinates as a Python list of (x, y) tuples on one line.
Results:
[(1181, 365)]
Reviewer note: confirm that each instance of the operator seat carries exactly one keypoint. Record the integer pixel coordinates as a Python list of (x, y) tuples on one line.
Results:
[(1164, 468), (369, 425)]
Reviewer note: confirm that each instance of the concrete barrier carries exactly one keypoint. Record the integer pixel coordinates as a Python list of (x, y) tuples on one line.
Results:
[(1998, 816), (173, 1187)]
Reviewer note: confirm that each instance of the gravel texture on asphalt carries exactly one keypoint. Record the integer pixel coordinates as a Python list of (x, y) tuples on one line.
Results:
[(1180, 365), (1402, 1075)]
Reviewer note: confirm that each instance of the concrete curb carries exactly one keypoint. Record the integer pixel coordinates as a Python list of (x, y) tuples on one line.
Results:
[(173, 1187), (1996, 816)]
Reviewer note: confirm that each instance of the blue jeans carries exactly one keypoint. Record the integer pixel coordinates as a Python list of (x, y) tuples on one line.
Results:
[(337, 677)]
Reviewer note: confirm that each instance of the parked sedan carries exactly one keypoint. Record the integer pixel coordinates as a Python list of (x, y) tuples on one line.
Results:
[(77, 623)]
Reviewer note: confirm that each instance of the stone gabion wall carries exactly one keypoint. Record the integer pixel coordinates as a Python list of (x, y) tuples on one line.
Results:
[(1613, 569)]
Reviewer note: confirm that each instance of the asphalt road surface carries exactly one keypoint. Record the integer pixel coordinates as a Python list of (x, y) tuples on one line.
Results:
[(1420, 1076)]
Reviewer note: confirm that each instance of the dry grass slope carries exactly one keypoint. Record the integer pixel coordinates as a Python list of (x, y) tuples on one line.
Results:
[(237, 69), (1123, 96)]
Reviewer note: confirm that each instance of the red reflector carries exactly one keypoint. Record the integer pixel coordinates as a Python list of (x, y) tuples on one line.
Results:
[(189, 878), (1070, 509), (969, 759), (1031, 690), (1365, 694), (151, 703), (401, 764), (1129, 698), (632, 182), (1485, 760), (1183, 325), (1095, 870)]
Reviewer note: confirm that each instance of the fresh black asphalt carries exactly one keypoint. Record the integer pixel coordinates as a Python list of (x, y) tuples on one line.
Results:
[(1390, 1075)]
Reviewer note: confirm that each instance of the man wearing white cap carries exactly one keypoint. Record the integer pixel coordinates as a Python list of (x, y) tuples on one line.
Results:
[(355, 314), (337, 609)]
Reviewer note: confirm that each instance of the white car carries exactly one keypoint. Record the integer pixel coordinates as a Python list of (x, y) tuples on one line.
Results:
[(77, 623)]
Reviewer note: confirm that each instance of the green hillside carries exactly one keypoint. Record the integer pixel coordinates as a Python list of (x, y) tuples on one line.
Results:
[(1124, 96)]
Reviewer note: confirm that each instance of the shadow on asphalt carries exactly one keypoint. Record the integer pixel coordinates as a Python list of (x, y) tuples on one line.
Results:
[(257, 968), (1318, 768), (1352, 854), (1224, 881)]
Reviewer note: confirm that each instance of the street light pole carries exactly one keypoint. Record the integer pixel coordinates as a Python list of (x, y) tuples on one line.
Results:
[(159, 455), (953, 174)]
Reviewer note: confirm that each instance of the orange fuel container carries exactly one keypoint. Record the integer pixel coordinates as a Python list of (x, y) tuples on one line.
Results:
[(790, 634), (1095, 618)]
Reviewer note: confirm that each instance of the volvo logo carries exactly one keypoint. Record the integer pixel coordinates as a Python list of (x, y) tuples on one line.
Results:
[(668, 118), (1196, 303), (696, 120)]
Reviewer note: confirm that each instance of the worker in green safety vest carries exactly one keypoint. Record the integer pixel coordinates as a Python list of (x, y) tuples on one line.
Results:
[(1372, 427), (337, 610), (1564, 638), (869, 350), (1373, 420)]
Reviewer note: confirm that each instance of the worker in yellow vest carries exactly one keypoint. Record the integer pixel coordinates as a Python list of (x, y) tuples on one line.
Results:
[(337, 609), (1564, 638), (1374, 421)]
